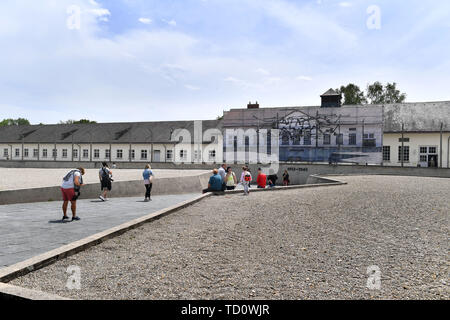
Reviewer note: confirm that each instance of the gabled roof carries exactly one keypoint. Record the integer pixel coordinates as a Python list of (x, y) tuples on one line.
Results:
[(330, 92), (121, 132)]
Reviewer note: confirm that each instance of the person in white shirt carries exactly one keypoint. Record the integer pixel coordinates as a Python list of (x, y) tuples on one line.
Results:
[(70, 189)]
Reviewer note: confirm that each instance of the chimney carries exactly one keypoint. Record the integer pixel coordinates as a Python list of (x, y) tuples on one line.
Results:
[(253, 105)]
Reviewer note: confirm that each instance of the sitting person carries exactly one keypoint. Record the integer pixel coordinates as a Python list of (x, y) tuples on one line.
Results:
[(261, 180), (215, 183), (272, 180)]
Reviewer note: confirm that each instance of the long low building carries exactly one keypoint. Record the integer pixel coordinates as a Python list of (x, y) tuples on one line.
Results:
[(170, 141), (407, 134)]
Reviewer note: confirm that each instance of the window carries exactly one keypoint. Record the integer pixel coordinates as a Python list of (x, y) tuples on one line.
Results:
[(169, 155), (17, 152), (285, 139), (35, 153), (432, 150), (75, 153), (340, 139), (5, 153), (326, 139), (25, 153), (143, 154), (96, 153), (405, 154), (85, 153), (133, 154), (296, 140), (107, 154), (307, 139), (119, 154), (386, 153), (369, 140), (352, 139), (212, 154), (44, 153), (269, 142), (403, 140), (183, 154), (64, 153), (423, 158), (54, 153), (423, 150)]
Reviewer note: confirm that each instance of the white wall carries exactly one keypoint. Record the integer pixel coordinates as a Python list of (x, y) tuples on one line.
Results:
[(416, 140)]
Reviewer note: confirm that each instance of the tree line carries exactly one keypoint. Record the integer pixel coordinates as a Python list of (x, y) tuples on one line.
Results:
[(376, 93)]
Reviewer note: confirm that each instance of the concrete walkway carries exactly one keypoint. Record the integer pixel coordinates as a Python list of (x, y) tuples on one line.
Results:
[(30, 229)]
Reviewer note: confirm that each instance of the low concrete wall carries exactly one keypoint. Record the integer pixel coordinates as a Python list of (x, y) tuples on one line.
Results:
[(299, 172), (179, 185)]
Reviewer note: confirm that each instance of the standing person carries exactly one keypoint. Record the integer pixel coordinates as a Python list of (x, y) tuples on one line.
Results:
[(148, 182), (215, 182), (70, 189), (230, 179), (286, 178), (222, 173), (114, 165), (105, 176), (261, 180), (246, 178)]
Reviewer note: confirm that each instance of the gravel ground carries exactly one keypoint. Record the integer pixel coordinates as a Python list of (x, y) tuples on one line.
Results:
[(14, 178), (298, 244)]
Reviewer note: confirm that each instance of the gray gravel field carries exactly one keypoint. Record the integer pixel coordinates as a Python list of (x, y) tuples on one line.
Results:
[(296, 244)]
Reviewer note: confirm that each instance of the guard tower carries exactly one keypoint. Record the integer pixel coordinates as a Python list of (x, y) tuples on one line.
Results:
[(331, 99)]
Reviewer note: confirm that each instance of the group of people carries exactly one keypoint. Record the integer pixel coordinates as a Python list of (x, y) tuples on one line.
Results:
[(225, 179), (73, 181)]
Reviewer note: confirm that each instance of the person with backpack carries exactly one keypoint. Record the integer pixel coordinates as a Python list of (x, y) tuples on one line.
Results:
[(246, 178), (148, 182), (105, 176), (230, 179), (70, 189)]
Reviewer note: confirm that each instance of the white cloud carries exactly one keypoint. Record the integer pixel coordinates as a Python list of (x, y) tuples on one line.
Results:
[(304, 78), (262, 71), (101, 13), (345, 4), (191, 87), (145, 20)]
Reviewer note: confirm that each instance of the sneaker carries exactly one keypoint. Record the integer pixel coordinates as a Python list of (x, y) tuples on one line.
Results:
[(65, 218), (101, 198), (146, 200), (75, 218)]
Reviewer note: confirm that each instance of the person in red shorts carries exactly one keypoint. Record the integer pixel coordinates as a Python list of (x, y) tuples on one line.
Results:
[(261, 180), (70, 189)]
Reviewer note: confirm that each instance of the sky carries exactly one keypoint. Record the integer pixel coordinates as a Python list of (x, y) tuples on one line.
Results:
[(148, 60)]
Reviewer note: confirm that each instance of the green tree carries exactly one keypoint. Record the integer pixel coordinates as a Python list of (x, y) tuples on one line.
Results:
[(14, 122), (352, 94), (378, 94), (77, 121)]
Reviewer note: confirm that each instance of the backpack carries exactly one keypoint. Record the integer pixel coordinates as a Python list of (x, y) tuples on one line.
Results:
[(247, 177), (105, 175)]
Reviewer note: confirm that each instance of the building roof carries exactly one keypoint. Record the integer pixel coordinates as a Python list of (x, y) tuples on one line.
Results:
[(417, 117), (121, 132), (330, 92)]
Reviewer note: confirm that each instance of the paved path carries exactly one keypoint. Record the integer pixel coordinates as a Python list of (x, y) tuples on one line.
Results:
[(30, 229)]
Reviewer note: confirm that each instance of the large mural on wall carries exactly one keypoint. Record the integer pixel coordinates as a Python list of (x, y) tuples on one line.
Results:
[(348, 134)]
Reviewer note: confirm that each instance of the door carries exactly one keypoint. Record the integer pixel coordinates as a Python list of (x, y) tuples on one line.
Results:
[(432, 161), (156, 156)]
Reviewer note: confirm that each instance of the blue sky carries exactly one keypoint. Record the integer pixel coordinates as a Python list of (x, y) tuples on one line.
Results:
[(147, 60)]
